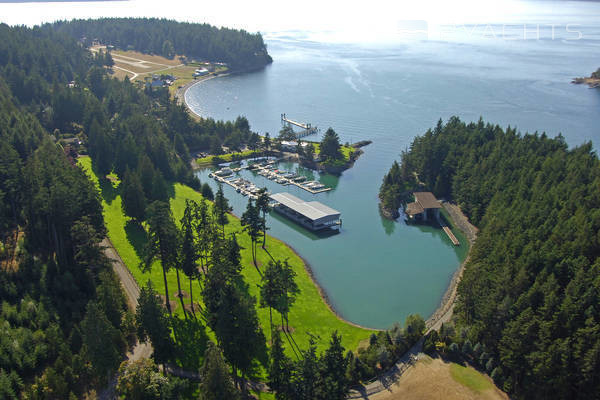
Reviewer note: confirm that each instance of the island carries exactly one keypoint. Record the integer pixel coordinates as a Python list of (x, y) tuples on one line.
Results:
[(593, 81)]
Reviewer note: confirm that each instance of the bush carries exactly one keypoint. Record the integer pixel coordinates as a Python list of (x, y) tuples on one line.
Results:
[(467, 348), (429, 342)]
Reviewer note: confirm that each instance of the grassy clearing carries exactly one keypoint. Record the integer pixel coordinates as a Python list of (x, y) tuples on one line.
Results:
[(470, 378), (210, 160), (309, 313), (346, 150)]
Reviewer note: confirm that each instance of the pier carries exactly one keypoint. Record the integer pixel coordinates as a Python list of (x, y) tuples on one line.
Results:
[(246, 189), (307, 129)]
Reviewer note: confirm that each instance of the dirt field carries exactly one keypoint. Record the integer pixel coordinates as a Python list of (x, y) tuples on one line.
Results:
[(154, 59), (435, 379)]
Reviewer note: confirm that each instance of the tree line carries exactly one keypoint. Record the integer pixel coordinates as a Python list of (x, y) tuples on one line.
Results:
[(240, 49), (65, 322), (528, 297)]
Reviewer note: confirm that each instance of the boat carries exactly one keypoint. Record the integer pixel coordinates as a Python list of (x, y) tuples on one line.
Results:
[(299, 179), (224, 172)]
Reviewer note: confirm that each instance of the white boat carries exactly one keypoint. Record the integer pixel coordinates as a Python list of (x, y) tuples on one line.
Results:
[(224, 172)]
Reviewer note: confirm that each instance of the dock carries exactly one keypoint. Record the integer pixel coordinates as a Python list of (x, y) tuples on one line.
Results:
[(307, 128), (448, 231), (453, 238), (299, 184), (245, 192)]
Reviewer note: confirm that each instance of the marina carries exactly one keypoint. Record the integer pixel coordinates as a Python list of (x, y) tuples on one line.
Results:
[(269, 171)]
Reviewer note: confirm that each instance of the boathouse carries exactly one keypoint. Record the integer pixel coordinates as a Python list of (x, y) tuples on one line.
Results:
[(425, 206), (312, 214)]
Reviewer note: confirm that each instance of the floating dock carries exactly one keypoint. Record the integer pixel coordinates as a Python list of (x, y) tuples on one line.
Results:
[(453, 238), (299, 184)]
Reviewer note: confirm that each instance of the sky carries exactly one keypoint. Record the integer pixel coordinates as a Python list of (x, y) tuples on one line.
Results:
[(364, 21)]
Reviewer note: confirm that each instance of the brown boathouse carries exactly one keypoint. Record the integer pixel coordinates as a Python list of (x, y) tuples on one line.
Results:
[(425, 206)]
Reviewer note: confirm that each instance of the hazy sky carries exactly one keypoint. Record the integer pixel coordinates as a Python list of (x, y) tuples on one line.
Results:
[(364, 21)]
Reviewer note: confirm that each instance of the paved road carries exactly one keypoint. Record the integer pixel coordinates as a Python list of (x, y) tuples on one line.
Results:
[(132, 292)]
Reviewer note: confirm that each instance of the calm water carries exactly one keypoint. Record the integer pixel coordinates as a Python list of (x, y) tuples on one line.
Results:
[(389, 88), (375, 271)]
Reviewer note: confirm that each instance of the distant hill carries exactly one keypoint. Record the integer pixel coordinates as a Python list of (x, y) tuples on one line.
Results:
[(239, 49)]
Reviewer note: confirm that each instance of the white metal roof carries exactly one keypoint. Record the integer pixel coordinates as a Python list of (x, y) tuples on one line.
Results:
[(312, 210)]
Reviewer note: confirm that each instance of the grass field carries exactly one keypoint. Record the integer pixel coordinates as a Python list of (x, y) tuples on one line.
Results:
[(470, 378), (209, 160), (309, 314), (346, 150), (433, 378)]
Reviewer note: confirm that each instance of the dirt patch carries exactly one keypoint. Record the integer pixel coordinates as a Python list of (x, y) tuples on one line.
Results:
[(431, 379), (172, 303), (183, 294), (141, 57), (289, 329)]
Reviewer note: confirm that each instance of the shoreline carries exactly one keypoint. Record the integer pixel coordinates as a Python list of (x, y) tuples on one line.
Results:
[(443, 313), (181, 92), (322, 292)]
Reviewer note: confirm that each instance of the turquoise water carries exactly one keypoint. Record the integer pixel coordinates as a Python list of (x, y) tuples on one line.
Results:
[(375, 271)]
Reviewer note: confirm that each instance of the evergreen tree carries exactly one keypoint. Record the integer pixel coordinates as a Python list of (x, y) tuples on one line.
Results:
[(330, 146), (280, 369), (162, 242), (267, 142), (306, 373), (207, 192), (216, 382), (252, 224), (221, 208), (133, 199), (332, 382), (189, 252), (262, 204), (153, 324), (98, 337)]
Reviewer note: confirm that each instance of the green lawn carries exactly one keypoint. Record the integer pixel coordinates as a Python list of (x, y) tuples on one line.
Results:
[(209, 160), (346, 150), (470, 378), (309, 313)]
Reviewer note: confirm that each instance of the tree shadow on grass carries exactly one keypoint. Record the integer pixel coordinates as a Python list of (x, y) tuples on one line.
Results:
[(171, 190), (190, 342), (109, 190), (137, 236)]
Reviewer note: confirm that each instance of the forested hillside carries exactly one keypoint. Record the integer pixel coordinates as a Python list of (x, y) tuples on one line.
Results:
[(63, 318), (530, 292), (238, 48)]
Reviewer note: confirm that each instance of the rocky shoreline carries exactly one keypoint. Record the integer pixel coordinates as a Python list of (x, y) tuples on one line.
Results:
[(445, 310), (593, 83)]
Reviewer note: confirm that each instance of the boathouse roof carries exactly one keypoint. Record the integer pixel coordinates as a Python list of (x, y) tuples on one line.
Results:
[(426, 200), (312, 210)]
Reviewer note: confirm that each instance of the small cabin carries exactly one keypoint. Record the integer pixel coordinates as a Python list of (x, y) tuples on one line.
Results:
[(424, 207)]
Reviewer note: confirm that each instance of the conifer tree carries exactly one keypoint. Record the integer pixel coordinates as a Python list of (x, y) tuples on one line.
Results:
[(216, 382)]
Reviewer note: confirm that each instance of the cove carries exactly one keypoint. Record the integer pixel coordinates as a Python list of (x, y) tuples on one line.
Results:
[(376, 272)]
